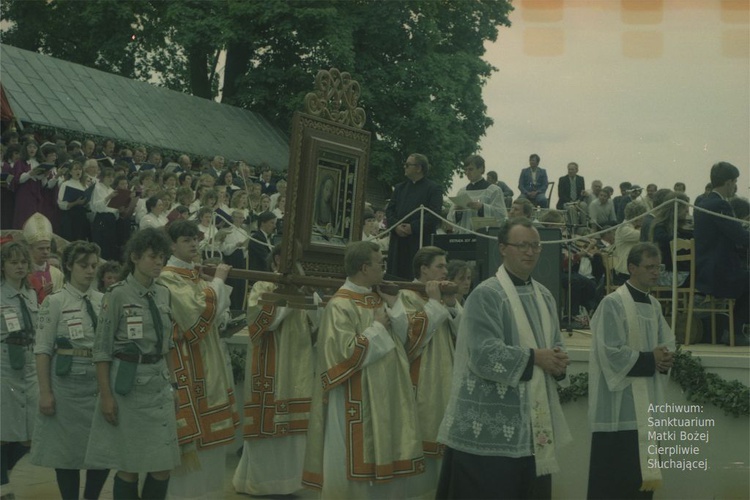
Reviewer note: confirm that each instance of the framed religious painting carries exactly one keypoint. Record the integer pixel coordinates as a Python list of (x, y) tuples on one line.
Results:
[(328, 161)]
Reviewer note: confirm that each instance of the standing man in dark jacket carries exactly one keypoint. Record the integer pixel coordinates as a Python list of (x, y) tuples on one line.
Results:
[(258, 251), (417, 190), (719, 270)]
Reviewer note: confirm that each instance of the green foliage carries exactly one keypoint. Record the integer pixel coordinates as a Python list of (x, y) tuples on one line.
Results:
[(700, 386), (419, 62), (578, 388)]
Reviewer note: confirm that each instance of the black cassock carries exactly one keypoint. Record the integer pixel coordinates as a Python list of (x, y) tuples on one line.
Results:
[(408, 196)]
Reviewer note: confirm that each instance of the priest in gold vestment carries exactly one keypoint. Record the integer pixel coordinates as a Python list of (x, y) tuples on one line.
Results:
[(433, 323), (363, 440), (206, 418), (280, 370)]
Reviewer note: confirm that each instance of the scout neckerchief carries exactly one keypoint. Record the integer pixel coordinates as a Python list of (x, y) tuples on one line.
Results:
[(651, 475), (541, 420)]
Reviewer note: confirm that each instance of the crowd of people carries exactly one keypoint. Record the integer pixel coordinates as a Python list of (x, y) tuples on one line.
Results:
[(113, 333)]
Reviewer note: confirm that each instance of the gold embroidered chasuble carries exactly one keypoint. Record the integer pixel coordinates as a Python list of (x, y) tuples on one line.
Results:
[(381, 438), (281, 369), (431, 367), (206, 415)]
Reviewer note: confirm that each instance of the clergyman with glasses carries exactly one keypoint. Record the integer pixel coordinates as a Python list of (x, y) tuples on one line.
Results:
[(409, 195), (503, 426)]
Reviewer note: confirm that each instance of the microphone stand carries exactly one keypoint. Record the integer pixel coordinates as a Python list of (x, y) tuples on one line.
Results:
[(571, 227)]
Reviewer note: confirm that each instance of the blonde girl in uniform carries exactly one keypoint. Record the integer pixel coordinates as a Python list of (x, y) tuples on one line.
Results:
[(18, 391)]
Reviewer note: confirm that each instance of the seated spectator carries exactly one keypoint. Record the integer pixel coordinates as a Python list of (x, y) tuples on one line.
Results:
[(662, 233), (207, 180), (279, 210), (209, 245), (265, 203), (156, 216), (370, 229), (555, 219), (8, 197), (741, 207), (706, 191), (655, 202), (209, 199), (234, 250), (140, 205), (570, 188), (460, 273), (582, 290), (626, 236), (169, 180), (239, 202), (621, 201), (602, 211), (180, 212), (266, 183), (380, 217), (27, 183), (226, 178), (521, 207), (679, 187), (74, 224), (184, 196), (256, 190), (281, 191), (591, 195), (262, 244), (507, 191), (185, 179), (533, 183), (222, 202)]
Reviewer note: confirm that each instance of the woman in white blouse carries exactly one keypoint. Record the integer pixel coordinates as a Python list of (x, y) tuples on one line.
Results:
[(72, 199)]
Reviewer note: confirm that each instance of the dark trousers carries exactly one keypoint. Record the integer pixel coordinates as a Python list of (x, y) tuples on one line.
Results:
[(615, 467), (464, 475)]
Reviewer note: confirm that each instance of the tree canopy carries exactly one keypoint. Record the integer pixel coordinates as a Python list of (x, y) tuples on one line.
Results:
[(419, 62)]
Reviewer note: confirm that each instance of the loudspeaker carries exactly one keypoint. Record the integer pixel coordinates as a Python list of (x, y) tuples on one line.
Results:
[(488, 255)]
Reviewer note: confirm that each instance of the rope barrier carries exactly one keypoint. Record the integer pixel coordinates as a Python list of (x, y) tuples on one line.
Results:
[(676, 201)]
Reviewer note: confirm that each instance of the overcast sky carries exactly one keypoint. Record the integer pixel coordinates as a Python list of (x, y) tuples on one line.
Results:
[(643, 91)]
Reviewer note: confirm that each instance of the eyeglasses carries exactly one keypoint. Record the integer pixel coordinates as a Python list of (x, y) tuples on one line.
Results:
[(654, 267), (407, 164), (535, 247)]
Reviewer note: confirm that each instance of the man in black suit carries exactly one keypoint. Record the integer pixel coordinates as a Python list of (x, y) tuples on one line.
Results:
[(267, 185), (719, 271), (570, 187), (259, 250), (415, 191), (621, 201)]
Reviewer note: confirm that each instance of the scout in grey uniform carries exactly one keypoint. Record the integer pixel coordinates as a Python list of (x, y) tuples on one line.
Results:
[(135, 430), (18, 390), (67, 374)]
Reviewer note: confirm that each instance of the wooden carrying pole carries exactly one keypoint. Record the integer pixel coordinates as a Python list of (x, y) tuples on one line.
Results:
[(289, 294)]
